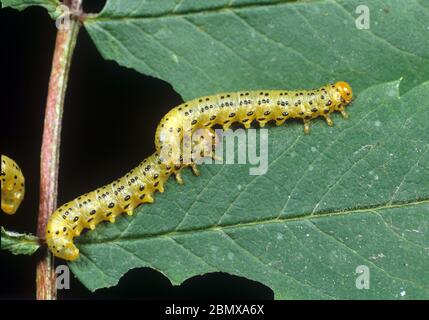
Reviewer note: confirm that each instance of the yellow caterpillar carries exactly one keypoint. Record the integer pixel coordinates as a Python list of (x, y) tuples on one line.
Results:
[(139, 185), (12, 185)]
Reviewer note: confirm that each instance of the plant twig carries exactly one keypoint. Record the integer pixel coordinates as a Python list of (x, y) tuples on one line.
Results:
[(49, 159)]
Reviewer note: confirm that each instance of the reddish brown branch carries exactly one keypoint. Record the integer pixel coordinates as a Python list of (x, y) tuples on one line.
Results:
[(49, 160)]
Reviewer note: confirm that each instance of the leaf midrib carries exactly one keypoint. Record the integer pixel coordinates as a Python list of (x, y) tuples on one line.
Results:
[(273, 220)]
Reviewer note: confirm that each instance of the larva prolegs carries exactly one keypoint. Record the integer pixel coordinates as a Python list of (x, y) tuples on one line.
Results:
[(329, 121), (344, 114), (178, 177), (306, 126)]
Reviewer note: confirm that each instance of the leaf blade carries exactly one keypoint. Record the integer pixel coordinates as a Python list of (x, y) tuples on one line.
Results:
[(50, 5), (19, 243), (297, 238)]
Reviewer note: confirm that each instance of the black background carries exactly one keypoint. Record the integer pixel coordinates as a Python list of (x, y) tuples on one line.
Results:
[(109, 122)]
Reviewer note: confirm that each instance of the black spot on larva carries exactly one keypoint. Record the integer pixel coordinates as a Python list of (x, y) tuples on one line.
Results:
[(232, 114), (244, 120), (92, 212), (179, 129), (186, 114), (142, 196), (308, 117), (64, 229), (261, 119), (266, 113), (301, 113), (280, 118), (156, 176), (111, 205), (212, 117), (329, 103), (156, 184), (57, 232), (226, 121), (141, 188), (126, 207), (326, 111), (75, 219), (314, 109), (322, 97), (90, 219), (128, 197), (250, 113), (194, 122), (108, 214), (285, 113)]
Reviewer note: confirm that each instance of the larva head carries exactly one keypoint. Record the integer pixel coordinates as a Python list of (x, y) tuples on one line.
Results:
[(10, 201), (345, 91), (63, 248), (61, 245)]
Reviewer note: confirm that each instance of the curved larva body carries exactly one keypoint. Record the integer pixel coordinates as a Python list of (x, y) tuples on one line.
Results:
[(104, 204), (138, 186), (12, 185)]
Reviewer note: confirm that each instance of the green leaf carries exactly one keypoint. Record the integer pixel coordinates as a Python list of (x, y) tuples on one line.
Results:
[(50, 5), (343, 197), (18, 243), (339, 198), (206, 47)]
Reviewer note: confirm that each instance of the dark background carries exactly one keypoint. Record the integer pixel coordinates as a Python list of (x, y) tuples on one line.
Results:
[(109, 122)]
